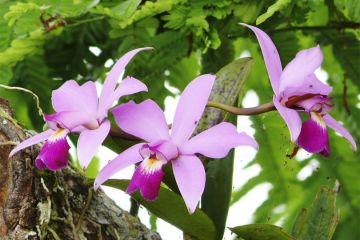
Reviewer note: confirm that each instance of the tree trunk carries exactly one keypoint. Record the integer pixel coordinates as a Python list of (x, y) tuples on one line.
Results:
[(54, 205)]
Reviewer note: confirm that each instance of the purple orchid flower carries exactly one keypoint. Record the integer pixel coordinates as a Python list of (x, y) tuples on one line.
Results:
[(78, 109), (147, 121), (297, 89)]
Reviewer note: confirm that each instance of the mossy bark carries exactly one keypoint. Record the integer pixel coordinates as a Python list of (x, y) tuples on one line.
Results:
[(47, 205)]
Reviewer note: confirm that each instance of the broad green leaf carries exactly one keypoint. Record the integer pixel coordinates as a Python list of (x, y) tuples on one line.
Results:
[(277, 6), (93, 169), (171, 207), (261, 232), (320, 220), (216, 198)]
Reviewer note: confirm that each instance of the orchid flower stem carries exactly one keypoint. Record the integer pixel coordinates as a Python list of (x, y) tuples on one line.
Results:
[(267, 107)]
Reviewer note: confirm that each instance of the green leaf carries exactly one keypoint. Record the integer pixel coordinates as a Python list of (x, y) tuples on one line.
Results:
[(171, 207), (216, 198), (350, 8), (5, 75), (278, 5), (121, 12), (149, 9), (320, 220), (93, 169), (67, 8), (261, 232), (18, 10)]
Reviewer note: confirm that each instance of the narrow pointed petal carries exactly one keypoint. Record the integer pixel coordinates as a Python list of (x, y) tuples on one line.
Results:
[(304, 64), (71, 120), (190, 177), (217, 141), (144, 120), (191, 107), (72, 97), (314, 135), (291, 117), (32, 141), (271, 57), (89, 141), (147, 182), (127, 158), (128, 86), (113, 77), (332, 123)]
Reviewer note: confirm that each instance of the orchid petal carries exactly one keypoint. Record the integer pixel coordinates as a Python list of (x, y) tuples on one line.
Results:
[(71, 120), (311, 84), (291, 117), (72, 97), (190, 177), (32, 141), (144, 120), (112, 79), (332, 123), (271, 57), (89, 141), (304, 64), (128, 86), (126, 158), (217, 141), (191, 107)]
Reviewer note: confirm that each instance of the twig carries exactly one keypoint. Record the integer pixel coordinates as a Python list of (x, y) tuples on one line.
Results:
[(89, 20), (54, 234), (7, 143), (28, 91), (267, 107), (117, 132)]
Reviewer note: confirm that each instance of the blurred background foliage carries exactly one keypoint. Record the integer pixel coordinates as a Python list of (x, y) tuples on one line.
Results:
[(44, 43)]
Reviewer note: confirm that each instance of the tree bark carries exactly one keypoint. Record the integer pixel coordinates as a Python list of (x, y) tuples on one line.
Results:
[(54, 205)]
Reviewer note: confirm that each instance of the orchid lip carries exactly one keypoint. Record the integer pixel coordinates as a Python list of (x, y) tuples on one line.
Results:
[(54, 153)]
